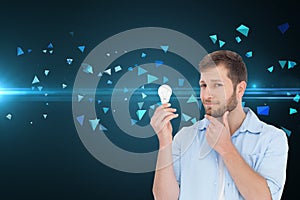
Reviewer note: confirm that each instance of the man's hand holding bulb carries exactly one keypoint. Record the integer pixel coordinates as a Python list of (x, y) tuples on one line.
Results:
[(162, 116)]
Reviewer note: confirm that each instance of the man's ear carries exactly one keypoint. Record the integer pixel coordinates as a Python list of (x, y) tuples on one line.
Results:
[(240, 89)]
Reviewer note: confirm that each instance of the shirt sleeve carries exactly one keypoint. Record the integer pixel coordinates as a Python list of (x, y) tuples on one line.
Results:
[(274, 162), (176, 154)]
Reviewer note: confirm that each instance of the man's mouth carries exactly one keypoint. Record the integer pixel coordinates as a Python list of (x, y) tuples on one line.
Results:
[(210, 103)]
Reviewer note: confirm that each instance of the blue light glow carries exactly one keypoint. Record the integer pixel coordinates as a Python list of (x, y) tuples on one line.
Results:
[(62, 95)]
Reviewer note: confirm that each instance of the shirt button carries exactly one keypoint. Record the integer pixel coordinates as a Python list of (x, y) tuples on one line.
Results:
[(215, 183)]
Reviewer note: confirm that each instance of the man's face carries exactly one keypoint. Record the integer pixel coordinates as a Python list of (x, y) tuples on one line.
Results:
[(217, 93)]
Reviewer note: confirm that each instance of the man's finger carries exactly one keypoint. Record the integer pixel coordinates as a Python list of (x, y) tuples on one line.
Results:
[(170, 109), (160, 124), (165, 105), (225, 119), (162, 107), (211, 119), (170, 117), (161, 114), (165, 115)]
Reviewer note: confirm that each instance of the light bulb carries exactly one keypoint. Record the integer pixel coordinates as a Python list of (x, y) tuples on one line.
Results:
[(164, 92)]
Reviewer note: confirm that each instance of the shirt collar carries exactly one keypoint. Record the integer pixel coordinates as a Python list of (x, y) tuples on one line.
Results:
[(250, 124), (203, 124)]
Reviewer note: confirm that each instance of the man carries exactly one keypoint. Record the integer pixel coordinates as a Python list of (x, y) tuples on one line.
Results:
[(245, 159)]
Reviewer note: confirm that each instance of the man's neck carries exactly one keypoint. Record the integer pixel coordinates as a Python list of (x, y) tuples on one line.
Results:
[(235, 119)]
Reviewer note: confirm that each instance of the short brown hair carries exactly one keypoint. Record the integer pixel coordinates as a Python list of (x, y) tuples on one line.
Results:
[(232, 61)]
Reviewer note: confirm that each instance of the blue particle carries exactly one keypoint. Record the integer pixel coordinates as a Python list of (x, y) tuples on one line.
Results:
[(283, 27), (19, 51)]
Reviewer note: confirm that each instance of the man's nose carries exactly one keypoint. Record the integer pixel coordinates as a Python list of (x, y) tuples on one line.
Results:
[(207, 93)]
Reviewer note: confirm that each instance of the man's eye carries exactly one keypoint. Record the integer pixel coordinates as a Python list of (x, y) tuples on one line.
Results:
[(203, 85), (218, 84)]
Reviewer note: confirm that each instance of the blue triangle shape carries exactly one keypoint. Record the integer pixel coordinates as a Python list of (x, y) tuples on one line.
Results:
[(40, 88), (140, 113), (88, 69), (221, 43), (79, 97), (194, 120), (81, 48), (133, 122), (140, 104), (164, 48), (165, 79), (213, 38), (105, 109), (80, 119), (192, 99), (102, 128), (270, 69), (9, 116), (125, 90), (19, 51), (282, 63), (141, 71), (249, 54), (185, 117), (293, 111), (46, 72), (288, 132), (69, 60), (108, 71), (109, 82), (152, 107), (144, 95), (243, 30), (296, 98), (151, 78), (35, 80), (50, 46), (291, 64), (94, 123)]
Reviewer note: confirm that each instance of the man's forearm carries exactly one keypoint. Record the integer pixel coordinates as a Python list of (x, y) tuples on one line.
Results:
[(165, 184), (250, 184)]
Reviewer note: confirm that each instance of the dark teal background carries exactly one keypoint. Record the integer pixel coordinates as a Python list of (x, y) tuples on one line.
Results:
[(47, 160)]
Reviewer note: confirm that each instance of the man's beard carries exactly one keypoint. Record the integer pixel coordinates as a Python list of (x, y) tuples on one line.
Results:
[(230, 106)]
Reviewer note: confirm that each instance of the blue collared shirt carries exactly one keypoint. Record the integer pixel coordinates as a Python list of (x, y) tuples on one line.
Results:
[(264, 147)]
